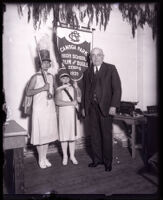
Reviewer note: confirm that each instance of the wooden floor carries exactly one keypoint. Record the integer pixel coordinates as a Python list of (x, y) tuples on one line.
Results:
[(125, 177)]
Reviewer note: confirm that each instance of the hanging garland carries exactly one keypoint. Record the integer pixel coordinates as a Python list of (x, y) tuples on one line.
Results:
[(135, 14), (139, 14)]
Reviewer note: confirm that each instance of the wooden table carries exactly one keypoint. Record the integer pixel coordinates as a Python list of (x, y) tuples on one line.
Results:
[(14, 139), (150, 140), (133, 121)]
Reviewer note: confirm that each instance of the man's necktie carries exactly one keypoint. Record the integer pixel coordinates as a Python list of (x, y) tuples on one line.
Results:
[(96, 69)]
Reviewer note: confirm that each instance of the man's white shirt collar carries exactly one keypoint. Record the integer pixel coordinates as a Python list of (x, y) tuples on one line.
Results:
[(98, 67)]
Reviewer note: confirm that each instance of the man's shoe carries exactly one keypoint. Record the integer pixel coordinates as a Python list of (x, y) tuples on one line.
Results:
[(108, 168), (95, 164)]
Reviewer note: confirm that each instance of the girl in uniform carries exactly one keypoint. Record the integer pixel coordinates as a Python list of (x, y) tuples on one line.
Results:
[(44, 117), (66, 116)]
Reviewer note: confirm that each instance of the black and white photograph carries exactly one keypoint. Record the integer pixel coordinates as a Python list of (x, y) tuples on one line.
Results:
[(80, 99)]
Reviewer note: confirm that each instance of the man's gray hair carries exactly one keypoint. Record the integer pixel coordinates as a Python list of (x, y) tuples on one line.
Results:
[(97, 48)]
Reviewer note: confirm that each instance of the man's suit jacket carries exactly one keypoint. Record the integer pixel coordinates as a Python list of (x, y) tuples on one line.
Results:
[(109, 88)]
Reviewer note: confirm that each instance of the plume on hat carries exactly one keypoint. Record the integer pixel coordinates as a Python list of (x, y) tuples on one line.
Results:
[(44, 42)]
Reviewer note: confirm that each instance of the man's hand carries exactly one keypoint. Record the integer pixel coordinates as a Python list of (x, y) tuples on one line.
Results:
[(112, 111), (83, 112)]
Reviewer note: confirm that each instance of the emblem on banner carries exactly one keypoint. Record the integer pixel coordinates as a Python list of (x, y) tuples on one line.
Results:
[(74, 36), (74, 47)]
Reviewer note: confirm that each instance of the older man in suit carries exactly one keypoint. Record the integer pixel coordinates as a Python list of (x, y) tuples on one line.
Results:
[(101, 96)]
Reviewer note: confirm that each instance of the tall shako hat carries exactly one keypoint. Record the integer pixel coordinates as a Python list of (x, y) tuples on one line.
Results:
[(45, 55), (63, 72)]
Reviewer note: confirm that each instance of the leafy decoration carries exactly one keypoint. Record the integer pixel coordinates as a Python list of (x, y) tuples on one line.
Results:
[(139, 14), (135, 14), (19, 9)]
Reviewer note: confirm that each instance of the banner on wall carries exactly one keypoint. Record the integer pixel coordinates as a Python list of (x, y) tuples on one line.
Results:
[(74, 46)]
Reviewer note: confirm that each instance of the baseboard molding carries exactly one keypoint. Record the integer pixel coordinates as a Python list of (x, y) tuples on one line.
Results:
[(80, 144)]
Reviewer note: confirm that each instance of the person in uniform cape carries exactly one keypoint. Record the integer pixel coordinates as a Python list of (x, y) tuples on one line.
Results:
[(66, 102), (44, 117)]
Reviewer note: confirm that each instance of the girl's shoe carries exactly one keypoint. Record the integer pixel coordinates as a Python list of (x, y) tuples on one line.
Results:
[(65, 161), (74, 161), (47, 163), (42, 165)]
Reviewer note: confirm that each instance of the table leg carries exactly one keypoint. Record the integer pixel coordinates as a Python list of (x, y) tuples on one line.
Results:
[(144, 145), (133, 140), (8, 172), (19, 170)]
